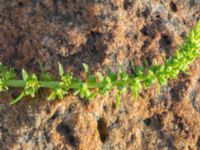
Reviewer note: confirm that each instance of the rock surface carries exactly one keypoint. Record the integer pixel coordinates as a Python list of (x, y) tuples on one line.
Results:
[(99, 33)]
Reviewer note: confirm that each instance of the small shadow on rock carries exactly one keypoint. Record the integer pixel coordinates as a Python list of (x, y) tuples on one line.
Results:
[(155, 122), (195, 100), (198, 143)]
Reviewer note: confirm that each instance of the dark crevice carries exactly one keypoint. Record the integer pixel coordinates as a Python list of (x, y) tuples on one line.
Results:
[(179, 121), (192, 3), (195, 100), (147, 121), (150, 30), (165, 44), (183, 35), (102, 129), (145, 45), (169, 143), (54, 116), (146, 13), (144, 31), (21, 4), (68, 133), (84, 101), (146, 60), (155, 122), (127, 4), (71, 107), (198, 142), (174, 93), (173, 7), (165, 40)]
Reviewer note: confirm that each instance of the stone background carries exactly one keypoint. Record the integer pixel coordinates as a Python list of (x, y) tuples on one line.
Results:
[(100, 33)]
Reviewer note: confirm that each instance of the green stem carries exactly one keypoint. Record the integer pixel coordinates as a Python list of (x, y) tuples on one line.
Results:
[(21, 83), (54, 84)]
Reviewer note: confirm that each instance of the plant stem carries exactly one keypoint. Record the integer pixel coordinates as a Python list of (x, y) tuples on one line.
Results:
[(54, 84), (21, 83), (50, 84)]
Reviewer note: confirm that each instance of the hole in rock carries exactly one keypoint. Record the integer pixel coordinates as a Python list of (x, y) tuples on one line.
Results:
[(21, 4), (102, 128), (165, 43), (68, 133), (147, 121), (173, 7)]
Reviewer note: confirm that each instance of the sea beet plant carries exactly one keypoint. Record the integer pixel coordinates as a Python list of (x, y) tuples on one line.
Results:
[(96, 84)]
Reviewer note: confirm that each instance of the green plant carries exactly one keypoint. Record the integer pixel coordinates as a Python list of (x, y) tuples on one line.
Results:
[(96, 84)]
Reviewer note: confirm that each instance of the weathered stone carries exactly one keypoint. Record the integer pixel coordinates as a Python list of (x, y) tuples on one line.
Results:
[(99, 33)]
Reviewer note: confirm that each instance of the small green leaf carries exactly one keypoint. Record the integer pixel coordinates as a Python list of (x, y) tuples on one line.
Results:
[(122, 88), (24, 75), (158, 88), (52, 96), (162, 81), (86, 67), (132, 64), (100, 76), (17, 99), (46, 76), (163, 56), (92, 96), (60, 69), (117, 101), (91, 79), (111, 76), (76, 92), (84, 91), (134, 93), (57, 92), (120, 68), (41, 66), (139, 70), (146, 63)]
